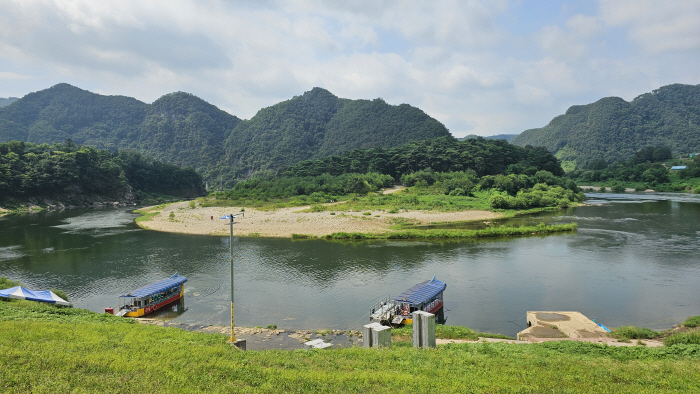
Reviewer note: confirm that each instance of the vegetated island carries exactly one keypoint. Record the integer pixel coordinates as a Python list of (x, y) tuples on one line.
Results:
[(345, 196), (79, 350)]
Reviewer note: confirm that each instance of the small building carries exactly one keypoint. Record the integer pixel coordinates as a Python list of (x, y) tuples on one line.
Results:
[(676, 168)]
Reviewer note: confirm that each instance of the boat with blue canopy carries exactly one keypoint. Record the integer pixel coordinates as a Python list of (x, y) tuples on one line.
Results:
[(150, 298), (425, 296)]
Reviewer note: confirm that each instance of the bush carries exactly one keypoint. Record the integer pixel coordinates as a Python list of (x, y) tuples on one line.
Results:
[(685, 338), (7, 283), (632, 332), (693, 321)]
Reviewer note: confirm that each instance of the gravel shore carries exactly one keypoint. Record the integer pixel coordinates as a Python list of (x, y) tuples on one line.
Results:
[(282, 223)]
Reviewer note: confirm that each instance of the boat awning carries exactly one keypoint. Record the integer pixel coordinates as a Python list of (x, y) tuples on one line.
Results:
[(20, 293), (157, 287), (422, 292)]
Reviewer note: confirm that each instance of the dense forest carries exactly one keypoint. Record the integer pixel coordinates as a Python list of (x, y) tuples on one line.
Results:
[(182, 129), (485, 157), (178, 128), (612, 129), (510, 177), (72, 173)]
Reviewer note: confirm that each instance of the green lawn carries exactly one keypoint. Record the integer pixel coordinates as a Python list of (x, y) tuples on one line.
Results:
[(49, 350)]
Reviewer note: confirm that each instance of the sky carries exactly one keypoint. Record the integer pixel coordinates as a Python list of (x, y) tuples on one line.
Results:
[(479, 67)]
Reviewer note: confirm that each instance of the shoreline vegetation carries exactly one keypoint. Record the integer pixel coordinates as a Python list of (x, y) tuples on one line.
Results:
[(79, 350)]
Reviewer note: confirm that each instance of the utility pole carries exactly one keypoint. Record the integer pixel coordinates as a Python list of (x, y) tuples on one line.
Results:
[(233, 335), (242, 343)]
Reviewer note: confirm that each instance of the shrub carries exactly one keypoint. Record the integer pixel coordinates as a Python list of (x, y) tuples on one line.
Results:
[(7, 283), (632, 332), (686, 338), (693, 321)]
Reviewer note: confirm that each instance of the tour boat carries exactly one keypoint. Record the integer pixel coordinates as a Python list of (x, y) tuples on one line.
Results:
[(150, 298), (425, 296)]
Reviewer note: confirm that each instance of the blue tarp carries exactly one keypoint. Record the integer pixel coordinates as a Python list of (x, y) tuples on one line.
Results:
[(422, 292), (20, 293), (678, 167), (157, 287)]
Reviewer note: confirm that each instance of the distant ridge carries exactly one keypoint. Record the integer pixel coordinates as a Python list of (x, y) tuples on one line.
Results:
[(507, 137), (4, 102), (613, 129), (182, 129)]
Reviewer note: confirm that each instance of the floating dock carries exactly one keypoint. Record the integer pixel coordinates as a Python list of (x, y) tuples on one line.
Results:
[(550, 324)]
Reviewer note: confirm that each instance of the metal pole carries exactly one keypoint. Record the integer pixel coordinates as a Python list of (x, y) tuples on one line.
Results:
[(233, 335)]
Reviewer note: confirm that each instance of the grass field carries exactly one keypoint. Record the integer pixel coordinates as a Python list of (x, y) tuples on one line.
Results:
[(51, 350)]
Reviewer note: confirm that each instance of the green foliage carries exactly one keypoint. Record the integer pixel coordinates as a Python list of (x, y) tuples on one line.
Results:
[(633, 332), (692, 322), (6, 283), (420, 159), (271, 326), (540, 195), (319, 124), (683, 338), (625, 171), (612, 129), (70, 171), (539, 229), (178, 128)]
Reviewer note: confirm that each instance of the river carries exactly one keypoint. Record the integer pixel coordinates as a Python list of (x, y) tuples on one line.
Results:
[(633, 261)]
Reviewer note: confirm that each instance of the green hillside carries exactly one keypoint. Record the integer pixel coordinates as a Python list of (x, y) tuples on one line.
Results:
[(178, 128), (507, 137), (319, 124), (182, 129), (613, 129)]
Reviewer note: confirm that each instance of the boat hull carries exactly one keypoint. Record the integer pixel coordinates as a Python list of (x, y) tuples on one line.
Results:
[(152, 308)]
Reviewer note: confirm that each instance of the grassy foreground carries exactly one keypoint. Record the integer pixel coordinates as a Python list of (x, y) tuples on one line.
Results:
[(46, 349)]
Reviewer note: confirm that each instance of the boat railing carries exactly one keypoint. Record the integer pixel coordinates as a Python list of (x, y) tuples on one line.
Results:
[(380, 308)]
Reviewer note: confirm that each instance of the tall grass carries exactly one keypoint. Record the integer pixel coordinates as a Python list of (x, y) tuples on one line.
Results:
[(691, 322), (684, 338), (633, 332)]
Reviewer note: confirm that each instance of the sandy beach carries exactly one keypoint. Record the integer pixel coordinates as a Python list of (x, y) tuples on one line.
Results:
[(282, 223)]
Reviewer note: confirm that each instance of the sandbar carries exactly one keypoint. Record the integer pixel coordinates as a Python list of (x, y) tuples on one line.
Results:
[(284, 222)]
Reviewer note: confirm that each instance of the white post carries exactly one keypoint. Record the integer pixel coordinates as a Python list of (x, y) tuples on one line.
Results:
[(381, 336), (423, 329)]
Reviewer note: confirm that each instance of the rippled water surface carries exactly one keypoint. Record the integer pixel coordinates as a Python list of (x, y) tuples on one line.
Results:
[(634, 260)]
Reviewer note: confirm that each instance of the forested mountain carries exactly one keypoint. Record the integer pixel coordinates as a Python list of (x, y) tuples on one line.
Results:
[(4, 102), (319, 124), (506, 137), (613, 129), (77, 174), (178, 128), (182, 129), (485, 157)]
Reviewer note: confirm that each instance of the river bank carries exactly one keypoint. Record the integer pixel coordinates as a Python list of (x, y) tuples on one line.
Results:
[(285, 222)]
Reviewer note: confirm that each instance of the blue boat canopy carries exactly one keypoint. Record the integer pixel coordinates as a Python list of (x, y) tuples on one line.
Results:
[(422, 292), (157, 287)]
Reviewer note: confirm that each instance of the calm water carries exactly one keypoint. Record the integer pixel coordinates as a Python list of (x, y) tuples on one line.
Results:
[(635, 260)]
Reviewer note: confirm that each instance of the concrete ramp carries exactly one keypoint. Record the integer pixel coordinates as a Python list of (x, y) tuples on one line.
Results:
[(551, 324)]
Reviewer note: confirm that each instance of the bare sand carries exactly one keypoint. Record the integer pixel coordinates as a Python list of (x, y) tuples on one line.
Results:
[(282, 223)]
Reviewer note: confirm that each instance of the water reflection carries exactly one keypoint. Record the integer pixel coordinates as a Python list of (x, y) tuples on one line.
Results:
[(627, 264)]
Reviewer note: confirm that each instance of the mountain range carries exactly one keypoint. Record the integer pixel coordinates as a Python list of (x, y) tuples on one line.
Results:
[(613, 129), (182, 129)]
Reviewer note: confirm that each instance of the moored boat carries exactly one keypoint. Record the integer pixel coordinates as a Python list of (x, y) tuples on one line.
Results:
[(425, 296), (150, 298)]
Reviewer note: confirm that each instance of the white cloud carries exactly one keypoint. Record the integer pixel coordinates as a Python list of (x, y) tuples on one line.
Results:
[(464, 62)]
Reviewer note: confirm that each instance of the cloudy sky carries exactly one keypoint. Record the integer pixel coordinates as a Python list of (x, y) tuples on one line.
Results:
[(480, 67)]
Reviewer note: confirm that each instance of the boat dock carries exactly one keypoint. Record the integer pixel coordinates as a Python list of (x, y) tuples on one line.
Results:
[(549, 324)]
